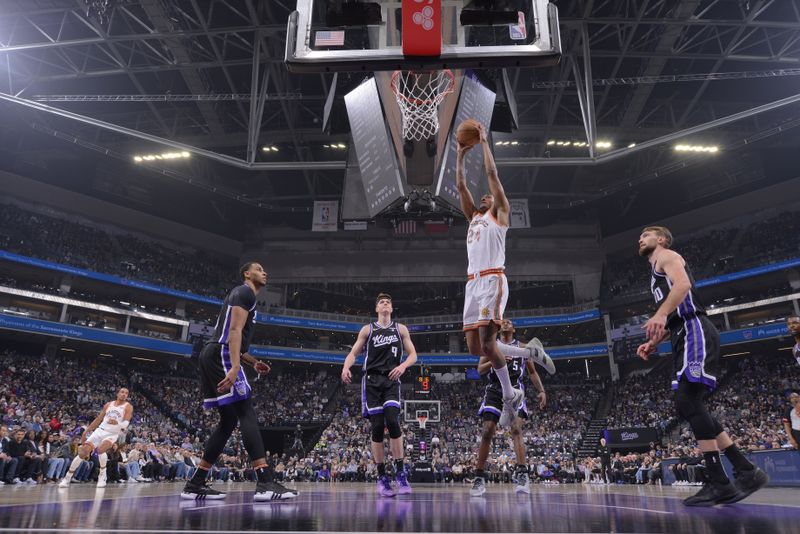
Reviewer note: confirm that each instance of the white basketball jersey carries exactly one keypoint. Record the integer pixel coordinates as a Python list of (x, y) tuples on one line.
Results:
[(486, 243), (114, 412)]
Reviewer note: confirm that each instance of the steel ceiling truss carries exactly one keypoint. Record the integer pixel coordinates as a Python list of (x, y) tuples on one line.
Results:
[(206, 41)]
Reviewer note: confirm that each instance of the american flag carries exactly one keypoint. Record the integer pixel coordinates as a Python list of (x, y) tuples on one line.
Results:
[(405, 228), (328, 38)]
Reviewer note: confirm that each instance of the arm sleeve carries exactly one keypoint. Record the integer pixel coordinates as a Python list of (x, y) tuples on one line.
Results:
[(787, 416)]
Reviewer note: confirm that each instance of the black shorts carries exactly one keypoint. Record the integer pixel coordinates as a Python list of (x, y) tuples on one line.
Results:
[(215, 362), (695, 351), (492, 405), (377, 393)]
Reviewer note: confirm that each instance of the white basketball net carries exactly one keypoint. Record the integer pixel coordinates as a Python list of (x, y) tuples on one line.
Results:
[(419, 95)]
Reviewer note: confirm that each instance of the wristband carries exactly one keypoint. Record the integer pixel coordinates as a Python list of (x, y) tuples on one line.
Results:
[(123, 425)]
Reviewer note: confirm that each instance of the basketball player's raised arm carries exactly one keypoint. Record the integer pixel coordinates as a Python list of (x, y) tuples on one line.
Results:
[(536, 380), (467, 202), (672, 265), (501, 205), (358, 347), (408, 347)]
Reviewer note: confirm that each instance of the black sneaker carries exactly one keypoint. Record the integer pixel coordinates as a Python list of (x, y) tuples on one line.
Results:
[(478, 487), (748, 482), (714, 493), (201, 492), (272, 491)]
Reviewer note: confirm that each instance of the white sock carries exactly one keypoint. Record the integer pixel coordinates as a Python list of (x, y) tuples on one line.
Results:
[(505, 381), (510, 351), (103, 460), (76, 463)]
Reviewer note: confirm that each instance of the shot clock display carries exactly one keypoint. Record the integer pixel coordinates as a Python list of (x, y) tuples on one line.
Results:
[(424, 382)]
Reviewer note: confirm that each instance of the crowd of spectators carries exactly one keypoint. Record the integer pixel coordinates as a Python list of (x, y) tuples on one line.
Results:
[(643, 400), (58, 238), (751, 401), (709, 253), (46, 402)]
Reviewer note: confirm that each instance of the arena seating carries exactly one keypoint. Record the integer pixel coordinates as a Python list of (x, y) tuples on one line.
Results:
[(710, 253)]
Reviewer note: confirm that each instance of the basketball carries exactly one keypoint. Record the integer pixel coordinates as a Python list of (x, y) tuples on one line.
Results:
[(468, 133)]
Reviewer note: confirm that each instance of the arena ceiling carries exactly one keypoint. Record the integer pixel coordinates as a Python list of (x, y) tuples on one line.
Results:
[(182, 70)]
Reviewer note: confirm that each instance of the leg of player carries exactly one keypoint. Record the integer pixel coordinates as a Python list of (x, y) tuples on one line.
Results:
[(718, 489), (392, 416), (489, 429), (102, 458), (533, 350), (748, 477), (512, 397), (377, 424), (84, 451), (521, 471)]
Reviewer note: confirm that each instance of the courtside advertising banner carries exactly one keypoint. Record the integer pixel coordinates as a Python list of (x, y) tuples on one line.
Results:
[(326, 216)]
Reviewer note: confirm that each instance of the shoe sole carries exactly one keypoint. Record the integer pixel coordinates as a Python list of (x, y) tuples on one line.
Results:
[(197, 497), (547, 362), (272, 496), (523, 489), (404, 492), (473, 494)]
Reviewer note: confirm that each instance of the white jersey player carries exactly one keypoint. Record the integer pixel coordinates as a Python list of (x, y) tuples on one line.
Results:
[(102, 434), (486, 293)]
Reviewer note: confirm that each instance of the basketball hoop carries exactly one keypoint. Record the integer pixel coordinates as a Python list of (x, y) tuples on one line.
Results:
[(419, 94), (422, 419)]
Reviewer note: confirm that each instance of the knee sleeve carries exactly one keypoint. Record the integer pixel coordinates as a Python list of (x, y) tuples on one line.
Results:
[(690, 406), (376, 423), (392, 416)]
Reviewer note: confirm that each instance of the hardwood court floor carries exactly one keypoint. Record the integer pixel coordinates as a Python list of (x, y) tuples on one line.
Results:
[(353, 507)]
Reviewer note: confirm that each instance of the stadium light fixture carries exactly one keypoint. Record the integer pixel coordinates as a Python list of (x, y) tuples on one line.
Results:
[(603, 144), (709, 149), (269, 148), (161, 157)]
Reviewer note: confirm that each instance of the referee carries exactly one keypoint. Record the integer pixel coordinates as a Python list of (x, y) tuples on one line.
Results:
[(225, 388)]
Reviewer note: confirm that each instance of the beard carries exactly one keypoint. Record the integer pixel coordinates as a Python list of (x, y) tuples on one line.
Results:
[(646, 251)]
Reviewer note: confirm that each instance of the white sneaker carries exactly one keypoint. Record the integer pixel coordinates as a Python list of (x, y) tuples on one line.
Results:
[(478, 487), (132, 480), (31, 482), (65, 481), (511, 407), (539, 355), (101, 479)]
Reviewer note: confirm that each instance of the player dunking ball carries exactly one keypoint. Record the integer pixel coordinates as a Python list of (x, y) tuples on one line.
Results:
[(793, 324), (492, 406), (383, 342), (225, 387), (695, 351), (486, 292), (102, 434)]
